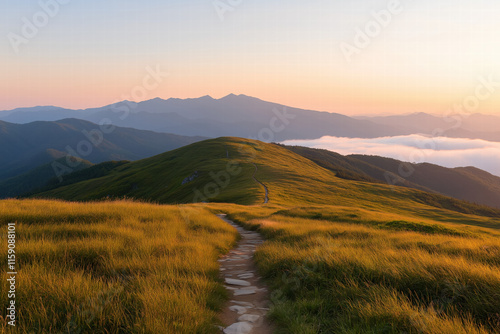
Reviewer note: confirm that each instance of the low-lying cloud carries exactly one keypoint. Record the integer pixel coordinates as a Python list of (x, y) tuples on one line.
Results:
[(443, 151)]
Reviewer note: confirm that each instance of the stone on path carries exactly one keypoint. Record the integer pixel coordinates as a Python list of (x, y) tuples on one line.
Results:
[(246, 275), (249, 317), (238, 309), (237, 282), (245, 291), (246, 304), (239, 328)]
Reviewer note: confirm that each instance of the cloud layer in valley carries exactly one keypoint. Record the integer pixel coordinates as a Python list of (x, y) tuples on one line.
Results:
[(447, 152)]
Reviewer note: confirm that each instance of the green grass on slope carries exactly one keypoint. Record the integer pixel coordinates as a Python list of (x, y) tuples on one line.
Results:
[(92, 172), (115, 267), (341, 165), (215, 177), (349, 270), (221, 171)]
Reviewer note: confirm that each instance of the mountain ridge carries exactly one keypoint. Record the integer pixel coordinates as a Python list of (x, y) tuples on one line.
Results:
[(231, 115), (465, 183), (34, 144), (245, 116), (221, 170)]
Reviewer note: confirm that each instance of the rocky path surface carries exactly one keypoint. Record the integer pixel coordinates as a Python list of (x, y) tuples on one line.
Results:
[(266, 199), (246, 311)]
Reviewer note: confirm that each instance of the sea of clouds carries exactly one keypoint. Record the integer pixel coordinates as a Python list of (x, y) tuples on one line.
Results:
[(443, 151)]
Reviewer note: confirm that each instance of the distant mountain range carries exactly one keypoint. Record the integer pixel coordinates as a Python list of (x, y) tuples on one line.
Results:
[(28, 146), (249, 117), (44, 137)]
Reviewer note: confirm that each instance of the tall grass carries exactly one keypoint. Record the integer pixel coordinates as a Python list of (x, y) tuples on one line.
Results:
[(128, 267), (339, 270), (115, 267)]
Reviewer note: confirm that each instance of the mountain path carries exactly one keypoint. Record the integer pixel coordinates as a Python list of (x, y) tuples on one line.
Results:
[(246, 312), (266, 198)]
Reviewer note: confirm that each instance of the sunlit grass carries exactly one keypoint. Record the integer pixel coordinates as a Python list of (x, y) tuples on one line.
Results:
[(129, 267), (115, 267), (347, 270)]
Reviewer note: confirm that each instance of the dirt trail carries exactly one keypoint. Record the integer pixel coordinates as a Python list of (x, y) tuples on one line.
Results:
[(246, 311), (266, 199)]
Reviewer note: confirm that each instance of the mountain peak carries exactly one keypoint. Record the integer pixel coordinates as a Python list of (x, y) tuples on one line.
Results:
[(238, 97), (206, 97), (229, 96), (421, 114)]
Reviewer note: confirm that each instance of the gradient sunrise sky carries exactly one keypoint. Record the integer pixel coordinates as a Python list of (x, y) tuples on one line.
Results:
[(92, 53)]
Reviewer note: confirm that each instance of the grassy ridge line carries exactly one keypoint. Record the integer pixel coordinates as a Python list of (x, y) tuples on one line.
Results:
[(292, 179), (482, 187), (349, 272), (115, 267), (161, 178)]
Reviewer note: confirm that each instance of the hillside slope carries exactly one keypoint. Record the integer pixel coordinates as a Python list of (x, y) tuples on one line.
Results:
[(38, 177), (470, 184), (28, 146), (221, 170)]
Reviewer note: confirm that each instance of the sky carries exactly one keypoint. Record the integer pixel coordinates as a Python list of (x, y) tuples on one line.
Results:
[(442, 151), (357, 57)]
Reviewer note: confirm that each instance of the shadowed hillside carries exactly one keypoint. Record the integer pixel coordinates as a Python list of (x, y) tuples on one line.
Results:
[(38, 178), (28, 146), (470, 184)]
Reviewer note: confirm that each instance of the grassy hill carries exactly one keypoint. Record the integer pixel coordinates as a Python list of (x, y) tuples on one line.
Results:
[(469, 183), (39, 177), (221, 170), (341, 255), (28, 146), (165, 178)]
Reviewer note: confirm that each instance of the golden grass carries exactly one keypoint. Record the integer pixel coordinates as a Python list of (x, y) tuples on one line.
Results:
[(115, 267), (347, 270), (128, 267)]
